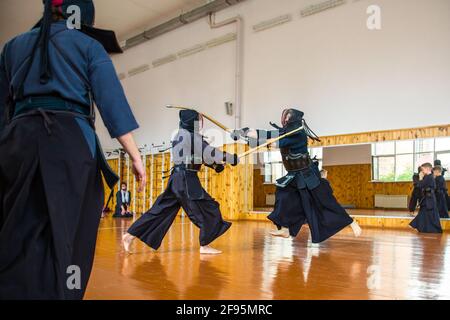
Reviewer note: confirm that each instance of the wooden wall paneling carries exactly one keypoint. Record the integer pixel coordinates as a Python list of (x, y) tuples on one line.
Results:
[(391, 222), (168, 166), (151, 181), (359, 189), (233, 188), (385, 135), (244, 182), (261, 189), (157, 184), (144, 192), (140, 197)]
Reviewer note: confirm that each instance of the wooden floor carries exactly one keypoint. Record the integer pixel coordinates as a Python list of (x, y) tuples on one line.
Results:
[(382, 264), (362, 212), (379, 213)]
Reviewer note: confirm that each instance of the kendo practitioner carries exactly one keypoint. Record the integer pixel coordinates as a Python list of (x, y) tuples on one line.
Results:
[(302, 196), (427, 221), (438, 163), (51, 162), (441, 192), (184, 190), (416, 193), (123, 202)]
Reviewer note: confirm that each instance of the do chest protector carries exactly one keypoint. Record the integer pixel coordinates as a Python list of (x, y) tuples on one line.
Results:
[(300, 168)]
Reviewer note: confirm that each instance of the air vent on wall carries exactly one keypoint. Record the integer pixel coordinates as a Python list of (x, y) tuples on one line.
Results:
[(272, 22), (221, 40), (162, 61), (137, 70), (316, 8)]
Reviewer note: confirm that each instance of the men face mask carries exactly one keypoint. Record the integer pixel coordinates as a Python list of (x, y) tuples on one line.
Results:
[(291, 116), (87, 15), (189, 119), (87, 9)]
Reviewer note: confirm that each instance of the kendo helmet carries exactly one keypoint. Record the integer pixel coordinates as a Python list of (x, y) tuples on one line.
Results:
[(291, 116)]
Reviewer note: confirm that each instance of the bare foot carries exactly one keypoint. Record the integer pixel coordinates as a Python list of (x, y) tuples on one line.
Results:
[(357, 231), (314, 245), (127, 240), (284, 233), (209, 250)]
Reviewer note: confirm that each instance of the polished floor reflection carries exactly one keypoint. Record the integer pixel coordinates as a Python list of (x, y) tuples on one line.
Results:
[(382, 264)]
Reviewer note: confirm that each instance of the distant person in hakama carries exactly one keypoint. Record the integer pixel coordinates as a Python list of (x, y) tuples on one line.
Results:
[(427, 220), (416, 193), (438, 163), (441, 192), (123, 203)]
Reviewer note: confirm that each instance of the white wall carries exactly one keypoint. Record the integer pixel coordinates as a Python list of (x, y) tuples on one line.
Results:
[(346, 155), (346, 78)]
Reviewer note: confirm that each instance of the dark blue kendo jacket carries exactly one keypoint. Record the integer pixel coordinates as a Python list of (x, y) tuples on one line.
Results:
[(296, 143), (190, 148), (79, 64), (428, 187)]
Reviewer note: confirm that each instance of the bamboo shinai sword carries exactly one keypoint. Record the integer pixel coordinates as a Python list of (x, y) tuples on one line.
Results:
[(269, 142)]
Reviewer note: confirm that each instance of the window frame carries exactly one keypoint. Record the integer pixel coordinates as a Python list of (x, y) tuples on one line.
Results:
[(414, 154)]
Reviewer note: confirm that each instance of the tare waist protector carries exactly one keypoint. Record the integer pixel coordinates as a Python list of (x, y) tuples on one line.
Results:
[(301, 170), (295, 162)]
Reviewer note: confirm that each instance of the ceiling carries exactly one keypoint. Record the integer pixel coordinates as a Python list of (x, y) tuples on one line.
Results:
[(126, 17)]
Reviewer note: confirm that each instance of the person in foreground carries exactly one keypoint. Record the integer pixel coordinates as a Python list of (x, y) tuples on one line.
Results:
[(302, 196), (189, 152), (427, 220), (51, 189)]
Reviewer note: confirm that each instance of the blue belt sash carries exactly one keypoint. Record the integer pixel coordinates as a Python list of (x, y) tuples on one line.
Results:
[(56, 104), (49, 103)]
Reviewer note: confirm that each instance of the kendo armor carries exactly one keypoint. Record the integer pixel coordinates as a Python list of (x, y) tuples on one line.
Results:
[(295, 162)]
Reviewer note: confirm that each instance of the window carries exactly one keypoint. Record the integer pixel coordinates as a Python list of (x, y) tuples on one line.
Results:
[(318, 154), (273, 164), (398, 160)]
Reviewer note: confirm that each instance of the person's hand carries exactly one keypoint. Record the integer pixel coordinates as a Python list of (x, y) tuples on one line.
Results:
[(251, 133), (421, 175), (139, 173), (127, 142), (237, 134), (219, 168)]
